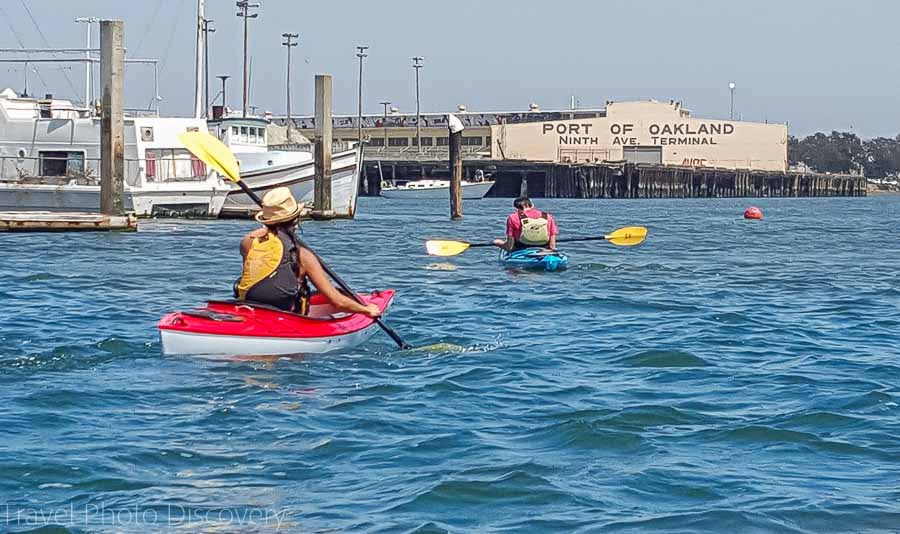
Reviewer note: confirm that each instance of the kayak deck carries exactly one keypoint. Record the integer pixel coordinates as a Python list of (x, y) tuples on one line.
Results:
[(242, 328)]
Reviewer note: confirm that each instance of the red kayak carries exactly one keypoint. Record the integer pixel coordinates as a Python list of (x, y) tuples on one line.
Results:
[(235, 328)]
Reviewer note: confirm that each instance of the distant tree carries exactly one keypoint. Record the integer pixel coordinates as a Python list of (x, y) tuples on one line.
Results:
[(840, 152), (793, 150), (882, 157)]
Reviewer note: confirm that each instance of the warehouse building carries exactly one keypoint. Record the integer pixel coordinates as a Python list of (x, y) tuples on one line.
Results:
[(639, 132)]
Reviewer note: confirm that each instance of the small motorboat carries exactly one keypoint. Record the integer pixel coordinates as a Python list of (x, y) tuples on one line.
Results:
[(241, 328), (534, 259), (419, 189)]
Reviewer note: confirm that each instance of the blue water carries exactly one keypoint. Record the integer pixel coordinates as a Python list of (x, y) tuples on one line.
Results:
[(728, 375)]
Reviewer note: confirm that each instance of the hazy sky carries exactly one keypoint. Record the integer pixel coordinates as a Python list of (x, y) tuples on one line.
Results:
[(816, 64)]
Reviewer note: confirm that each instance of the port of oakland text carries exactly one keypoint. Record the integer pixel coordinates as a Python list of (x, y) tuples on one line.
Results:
[(673, 134), (572, 134)]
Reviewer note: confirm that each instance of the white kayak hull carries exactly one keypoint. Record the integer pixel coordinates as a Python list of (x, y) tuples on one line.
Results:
[(188, 343)]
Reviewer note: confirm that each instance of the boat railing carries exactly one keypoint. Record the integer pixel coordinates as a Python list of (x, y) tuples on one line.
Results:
[(77, 170)]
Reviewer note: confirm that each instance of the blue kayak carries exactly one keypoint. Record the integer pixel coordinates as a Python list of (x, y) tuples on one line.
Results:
[(534, 259)]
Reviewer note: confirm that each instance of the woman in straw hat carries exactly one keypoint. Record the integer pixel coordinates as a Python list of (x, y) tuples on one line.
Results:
[(277, 269)]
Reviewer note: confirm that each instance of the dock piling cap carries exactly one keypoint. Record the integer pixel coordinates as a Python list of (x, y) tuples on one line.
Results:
[(753, 213)]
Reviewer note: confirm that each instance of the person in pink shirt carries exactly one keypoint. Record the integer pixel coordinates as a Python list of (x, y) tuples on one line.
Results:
[(528, 227)]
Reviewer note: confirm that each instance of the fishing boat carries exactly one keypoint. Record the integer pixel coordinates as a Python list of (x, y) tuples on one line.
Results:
[(50, 161), (421, 189), (241, 328), (263, 169), (534, 259)]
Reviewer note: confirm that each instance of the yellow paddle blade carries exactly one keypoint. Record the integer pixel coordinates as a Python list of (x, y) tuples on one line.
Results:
[(213, 152), (440, 247), (628, 236)]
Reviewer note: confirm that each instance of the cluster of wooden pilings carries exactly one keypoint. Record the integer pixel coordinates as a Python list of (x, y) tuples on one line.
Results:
[(622, 180)]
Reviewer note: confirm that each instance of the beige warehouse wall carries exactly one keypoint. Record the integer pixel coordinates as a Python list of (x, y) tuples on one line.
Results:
[(684, 140)]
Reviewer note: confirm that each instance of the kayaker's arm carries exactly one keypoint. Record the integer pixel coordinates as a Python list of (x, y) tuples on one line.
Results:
[(552, 244), (313, 270), (507, 244)]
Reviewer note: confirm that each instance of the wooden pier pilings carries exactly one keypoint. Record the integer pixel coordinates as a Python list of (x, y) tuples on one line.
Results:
[(624, 180)]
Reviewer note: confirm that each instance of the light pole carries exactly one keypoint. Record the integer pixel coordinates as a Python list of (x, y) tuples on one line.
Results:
[(244, 12), (417, 64), (223, 77), (206, 31), (731, 87), (87, 64), (361, 54), (385, 103), (289, 43)]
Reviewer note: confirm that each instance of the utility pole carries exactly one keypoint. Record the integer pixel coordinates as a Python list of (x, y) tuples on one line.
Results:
[(244, 12), (361, 54), (385, 103), (289, 43), (224, 102), (417, 64), (88, 86), (206, 31)]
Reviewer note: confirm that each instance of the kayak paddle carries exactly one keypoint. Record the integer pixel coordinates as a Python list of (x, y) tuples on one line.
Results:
[(218, 156), (628, 236)]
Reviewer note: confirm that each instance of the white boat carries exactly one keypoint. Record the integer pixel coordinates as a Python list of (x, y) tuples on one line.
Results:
[(433, 189), (263, 169), (50, 161)]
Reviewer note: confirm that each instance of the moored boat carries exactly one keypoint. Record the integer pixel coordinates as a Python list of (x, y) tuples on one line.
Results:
[(263, 169), (534, 259), (50, 161), (419, 189), (240, 328)]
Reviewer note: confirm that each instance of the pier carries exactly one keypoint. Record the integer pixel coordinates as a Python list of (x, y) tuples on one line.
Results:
[(45, 221), (618, 180)]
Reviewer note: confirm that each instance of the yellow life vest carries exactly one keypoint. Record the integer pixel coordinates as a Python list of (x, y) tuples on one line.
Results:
[(269, 275), (535, 231)]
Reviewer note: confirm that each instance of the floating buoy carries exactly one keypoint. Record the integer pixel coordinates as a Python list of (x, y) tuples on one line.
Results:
[(753, 213)]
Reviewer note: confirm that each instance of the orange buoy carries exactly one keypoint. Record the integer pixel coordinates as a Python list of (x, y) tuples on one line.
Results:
[(753, 213)]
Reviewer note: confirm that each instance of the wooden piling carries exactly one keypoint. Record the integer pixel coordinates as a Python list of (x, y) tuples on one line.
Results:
[(322, 148), (456, 167), (112, 121)]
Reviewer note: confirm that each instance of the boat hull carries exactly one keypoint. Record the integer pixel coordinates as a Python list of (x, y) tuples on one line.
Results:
[(470, 191), (300, 178), (192, 200), (534, 259), (240, 328)]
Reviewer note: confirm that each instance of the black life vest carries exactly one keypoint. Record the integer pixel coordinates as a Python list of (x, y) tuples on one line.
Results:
[(270, 273)]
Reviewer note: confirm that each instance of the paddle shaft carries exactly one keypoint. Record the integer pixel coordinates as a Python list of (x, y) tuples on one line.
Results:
[(563, 240), (340, 282)]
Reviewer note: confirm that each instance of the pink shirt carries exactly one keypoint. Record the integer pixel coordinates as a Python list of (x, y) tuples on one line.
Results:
[(514, 224)]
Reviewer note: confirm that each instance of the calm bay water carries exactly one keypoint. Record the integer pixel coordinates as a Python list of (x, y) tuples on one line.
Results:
[(726, 376)]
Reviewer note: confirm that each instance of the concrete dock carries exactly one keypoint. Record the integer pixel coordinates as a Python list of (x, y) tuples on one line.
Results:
[(47, 221)]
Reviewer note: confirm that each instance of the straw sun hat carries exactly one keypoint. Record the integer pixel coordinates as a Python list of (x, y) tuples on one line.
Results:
[(278, 206)]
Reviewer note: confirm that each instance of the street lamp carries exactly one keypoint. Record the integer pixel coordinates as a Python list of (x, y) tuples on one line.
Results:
[(385, 103), (731, 87), (88, 86), (417, 64), (289, 43), (244, 13), (361, 54)]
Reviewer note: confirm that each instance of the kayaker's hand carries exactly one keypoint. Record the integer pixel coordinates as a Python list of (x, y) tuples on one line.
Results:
[(499, 243), (372, 311)]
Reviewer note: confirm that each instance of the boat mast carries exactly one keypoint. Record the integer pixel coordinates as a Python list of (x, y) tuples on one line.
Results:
[(198, 66)]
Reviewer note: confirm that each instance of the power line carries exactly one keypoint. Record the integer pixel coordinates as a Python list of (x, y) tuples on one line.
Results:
[(12, 29), (137, 49), (47, 44)]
